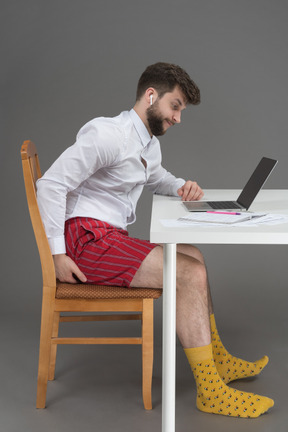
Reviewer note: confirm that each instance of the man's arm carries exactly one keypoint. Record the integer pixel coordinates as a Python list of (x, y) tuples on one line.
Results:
[(164, 183), (92, 150)]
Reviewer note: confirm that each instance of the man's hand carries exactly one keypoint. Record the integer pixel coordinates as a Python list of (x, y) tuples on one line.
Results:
[(65, 268), (190, 191)]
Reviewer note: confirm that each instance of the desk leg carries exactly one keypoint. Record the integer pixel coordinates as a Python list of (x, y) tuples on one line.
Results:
[(169, 338)]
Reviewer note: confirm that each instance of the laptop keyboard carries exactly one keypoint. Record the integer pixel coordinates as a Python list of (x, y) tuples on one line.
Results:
[(223, 205)]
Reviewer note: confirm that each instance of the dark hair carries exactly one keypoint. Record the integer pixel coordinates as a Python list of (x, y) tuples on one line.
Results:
[(164, 77)]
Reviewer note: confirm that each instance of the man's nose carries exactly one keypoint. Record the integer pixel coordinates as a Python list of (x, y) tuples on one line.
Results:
[(177, 117)]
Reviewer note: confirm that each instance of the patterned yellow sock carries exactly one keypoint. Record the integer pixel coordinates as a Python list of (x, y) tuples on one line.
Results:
[(231, 368), (214, 396)]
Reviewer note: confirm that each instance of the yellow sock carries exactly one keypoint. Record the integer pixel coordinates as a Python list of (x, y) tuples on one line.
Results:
[(229, 367), (214, 396)]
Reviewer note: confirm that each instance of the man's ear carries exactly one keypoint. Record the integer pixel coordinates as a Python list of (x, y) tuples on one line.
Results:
[(150, 95)]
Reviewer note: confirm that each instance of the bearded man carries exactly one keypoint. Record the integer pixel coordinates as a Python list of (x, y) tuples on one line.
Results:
[(89, 196)]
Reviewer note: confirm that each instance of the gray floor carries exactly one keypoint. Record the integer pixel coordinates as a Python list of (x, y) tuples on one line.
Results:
[(99, 388)]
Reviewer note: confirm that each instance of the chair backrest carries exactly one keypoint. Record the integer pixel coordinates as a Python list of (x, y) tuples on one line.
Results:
[(31, 172)]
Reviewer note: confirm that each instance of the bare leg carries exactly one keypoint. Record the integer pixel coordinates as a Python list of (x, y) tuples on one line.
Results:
[(224, 360), (193, 329), (192, 251), (192, 312)]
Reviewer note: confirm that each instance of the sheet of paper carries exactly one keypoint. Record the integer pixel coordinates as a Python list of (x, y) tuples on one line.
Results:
[(256, 219), (218, 218)]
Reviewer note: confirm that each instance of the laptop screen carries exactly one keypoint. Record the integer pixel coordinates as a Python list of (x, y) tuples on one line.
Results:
[(256, 181)]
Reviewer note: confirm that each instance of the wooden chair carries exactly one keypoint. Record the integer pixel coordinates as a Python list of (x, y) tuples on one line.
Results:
[(62, 297)]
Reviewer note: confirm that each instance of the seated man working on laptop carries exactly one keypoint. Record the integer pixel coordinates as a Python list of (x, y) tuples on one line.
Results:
[(88, 197)]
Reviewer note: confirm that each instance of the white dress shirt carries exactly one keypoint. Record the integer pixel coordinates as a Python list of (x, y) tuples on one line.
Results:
[(102, 176)]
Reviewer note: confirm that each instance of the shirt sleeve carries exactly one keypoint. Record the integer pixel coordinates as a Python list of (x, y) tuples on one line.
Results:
[(162, 182), (96, 146)]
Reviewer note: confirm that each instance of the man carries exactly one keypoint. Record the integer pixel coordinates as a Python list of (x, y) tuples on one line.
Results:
[(88, 197)]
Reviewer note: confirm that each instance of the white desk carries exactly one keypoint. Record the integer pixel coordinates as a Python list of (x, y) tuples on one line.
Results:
[(269, 201)]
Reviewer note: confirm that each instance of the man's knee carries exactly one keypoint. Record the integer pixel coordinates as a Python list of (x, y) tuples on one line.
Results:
[(191, 251), (191, 273)]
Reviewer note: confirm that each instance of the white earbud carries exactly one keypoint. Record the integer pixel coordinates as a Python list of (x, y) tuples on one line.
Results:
[(151, 99)]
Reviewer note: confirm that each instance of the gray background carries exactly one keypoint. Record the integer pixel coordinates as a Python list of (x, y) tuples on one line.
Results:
[(64, 62)]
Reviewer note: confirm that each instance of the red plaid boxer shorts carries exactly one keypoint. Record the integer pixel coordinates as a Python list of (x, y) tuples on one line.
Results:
[(104, 253)]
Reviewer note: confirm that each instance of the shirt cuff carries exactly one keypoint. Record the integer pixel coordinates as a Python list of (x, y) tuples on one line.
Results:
[(57, 245), (178, 184)]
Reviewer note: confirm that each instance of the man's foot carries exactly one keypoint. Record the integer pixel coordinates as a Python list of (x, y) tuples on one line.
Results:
[(231, 368), (214, 396)]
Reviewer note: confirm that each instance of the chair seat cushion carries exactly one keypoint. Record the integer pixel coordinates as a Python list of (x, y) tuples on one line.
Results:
[(86, 291)]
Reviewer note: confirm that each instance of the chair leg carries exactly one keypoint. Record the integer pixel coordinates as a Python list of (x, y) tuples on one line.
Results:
[(53, 354), (45, 346), (147, 352)]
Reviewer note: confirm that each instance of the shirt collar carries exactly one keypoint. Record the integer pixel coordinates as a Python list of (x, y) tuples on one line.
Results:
[(140, 128)]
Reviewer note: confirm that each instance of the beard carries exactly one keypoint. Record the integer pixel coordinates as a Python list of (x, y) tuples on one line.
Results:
[(155, 120)]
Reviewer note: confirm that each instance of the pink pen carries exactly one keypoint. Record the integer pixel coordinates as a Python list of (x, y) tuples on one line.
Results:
[(227, 213)]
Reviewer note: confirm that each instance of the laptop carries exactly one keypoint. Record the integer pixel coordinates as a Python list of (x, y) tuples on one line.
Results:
[(247, 196)]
